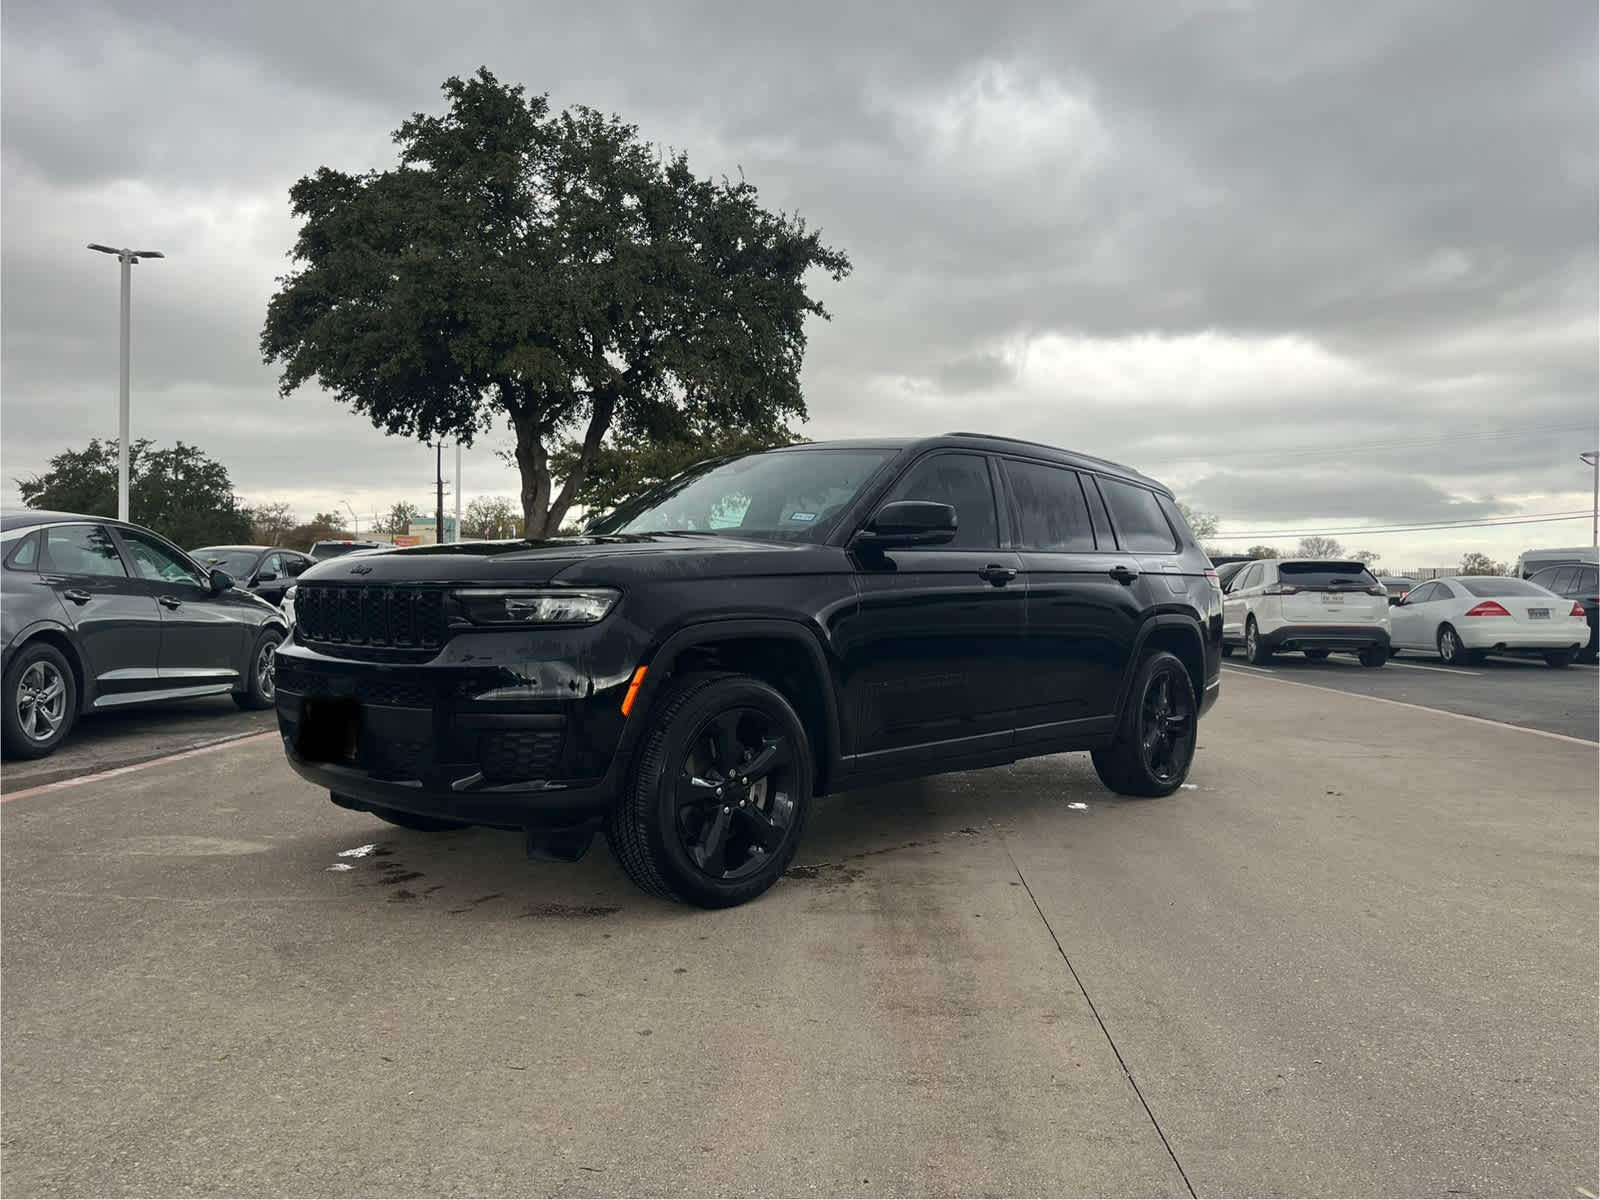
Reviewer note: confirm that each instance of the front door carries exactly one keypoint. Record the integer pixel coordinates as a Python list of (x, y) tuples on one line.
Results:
[(932, 655), (203, 641), (117, 621)]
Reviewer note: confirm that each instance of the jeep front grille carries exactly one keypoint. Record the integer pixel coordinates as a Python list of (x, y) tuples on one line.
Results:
[(384, 617)]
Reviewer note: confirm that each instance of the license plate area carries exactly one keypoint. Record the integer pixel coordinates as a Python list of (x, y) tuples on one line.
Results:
[(1538, 614), (330, 729), (1333, 598)]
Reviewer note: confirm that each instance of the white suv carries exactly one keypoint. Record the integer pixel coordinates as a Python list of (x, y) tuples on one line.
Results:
[(1314, 605)]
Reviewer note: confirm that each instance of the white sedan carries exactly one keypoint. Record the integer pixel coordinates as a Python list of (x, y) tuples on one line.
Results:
[(1464, 617)]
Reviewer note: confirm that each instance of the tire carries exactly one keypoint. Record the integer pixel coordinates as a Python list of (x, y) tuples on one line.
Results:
[(1374, 656), (421, 824), (695, 824), (1227, 649), (1559, 658), (1161, 707), (1451, 651), (41, 701), (1254, 652), (260, 684), (1317, 655)]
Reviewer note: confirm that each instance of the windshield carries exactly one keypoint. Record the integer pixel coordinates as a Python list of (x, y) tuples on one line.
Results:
[(791, 494), (238, 563)]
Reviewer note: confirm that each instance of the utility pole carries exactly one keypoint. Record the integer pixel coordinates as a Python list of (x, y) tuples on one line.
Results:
[(457, 536), (1592, 457), (439, 476)]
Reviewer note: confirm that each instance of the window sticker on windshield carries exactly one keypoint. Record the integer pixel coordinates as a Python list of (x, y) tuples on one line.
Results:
[(802, 516)]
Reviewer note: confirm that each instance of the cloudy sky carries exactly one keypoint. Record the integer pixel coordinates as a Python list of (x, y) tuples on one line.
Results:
[(1321, 267)]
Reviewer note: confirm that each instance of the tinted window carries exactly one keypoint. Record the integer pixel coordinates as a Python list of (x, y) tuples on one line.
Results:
[(1587, 583), (83, 550), (1251, 577), (157, 561), (273, 565), (1443, 591), (238, 563), (1050, 508), (1492, 585), (1326, 575), (1557, 579), (1137, 516), (961, 480), (1421, 595), (24, 555)]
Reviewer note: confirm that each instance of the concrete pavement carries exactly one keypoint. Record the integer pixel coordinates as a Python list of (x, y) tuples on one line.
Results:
[(1348, 961)]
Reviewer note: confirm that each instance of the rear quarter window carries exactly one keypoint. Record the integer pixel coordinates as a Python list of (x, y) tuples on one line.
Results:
[(1136, 514), (1492, 585), (24, 556)]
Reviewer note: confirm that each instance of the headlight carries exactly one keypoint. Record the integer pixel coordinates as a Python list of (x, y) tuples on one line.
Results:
[(563, 606)]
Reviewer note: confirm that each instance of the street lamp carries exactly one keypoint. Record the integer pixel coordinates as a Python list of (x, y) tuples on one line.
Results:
[(1592, 457), (127, 258)]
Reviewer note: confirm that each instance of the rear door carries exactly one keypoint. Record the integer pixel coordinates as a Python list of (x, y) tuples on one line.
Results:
[(116, 620), (1235, 606), (934, 652), (1085, 600), (1331, 592)]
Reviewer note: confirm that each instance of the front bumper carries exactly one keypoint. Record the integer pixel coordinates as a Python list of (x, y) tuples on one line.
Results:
[(445, 741), (1352, 638)]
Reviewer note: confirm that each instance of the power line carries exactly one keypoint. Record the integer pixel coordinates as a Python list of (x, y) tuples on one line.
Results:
[(1500, 435), (1440, 526)]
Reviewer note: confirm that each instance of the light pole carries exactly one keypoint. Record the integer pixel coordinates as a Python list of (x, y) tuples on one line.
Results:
[(127, 258), (1592, 457)]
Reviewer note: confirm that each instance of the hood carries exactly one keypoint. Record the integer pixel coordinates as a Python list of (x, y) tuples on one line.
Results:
[(526, 561)]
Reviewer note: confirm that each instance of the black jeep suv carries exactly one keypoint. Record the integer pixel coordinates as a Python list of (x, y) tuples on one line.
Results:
[(755, 632)]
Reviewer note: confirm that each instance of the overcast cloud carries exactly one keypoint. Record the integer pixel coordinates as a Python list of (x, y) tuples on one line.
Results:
[(1318, 266)]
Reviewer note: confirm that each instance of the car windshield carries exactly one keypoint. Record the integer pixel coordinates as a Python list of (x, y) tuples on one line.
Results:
[(238, 563), (790, 494), (1494, 585)]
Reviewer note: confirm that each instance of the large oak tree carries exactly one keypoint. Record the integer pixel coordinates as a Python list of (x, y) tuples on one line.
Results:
[(550, 271)]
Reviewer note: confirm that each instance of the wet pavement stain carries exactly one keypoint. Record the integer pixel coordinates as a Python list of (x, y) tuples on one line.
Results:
[(551, 909)]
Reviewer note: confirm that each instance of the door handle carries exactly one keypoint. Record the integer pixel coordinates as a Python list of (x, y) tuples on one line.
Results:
[(1124, 574), (998, 575), (170, 601), (77, 595)]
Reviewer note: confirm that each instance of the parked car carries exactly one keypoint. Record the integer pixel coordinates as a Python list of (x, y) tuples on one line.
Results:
[(97, 614), (266, 571), (755, 632), (1464, 617), (1317, 606), (335, 547), (1579, 582), (1530, 561), (1397, 585)]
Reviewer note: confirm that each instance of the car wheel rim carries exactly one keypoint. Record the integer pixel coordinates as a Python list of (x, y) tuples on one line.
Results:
[(266, 671), (1166, 727), (734, 798), (41, 701), (1447, 646), (1250, 641)]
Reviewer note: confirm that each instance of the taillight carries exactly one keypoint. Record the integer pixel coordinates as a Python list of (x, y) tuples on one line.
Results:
[(1215, 582), (1282, 589), (1376, 590), (1489, 608), (1577, 611)]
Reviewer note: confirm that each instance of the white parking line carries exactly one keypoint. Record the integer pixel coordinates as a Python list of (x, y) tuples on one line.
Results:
[(1441, 670), (1439, 712)]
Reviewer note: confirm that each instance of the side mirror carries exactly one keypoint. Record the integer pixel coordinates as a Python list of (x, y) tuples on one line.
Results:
[(267, 577), (909, 523), (221, 581)]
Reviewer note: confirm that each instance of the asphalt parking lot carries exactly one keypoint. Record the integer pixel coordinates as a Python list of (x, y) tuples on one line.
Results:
[(1343, 962), (1518, 691)]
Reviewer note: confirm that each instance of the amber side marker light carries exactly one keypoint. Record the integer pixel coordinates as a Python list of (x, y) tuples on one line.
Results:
[(633, 690)]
